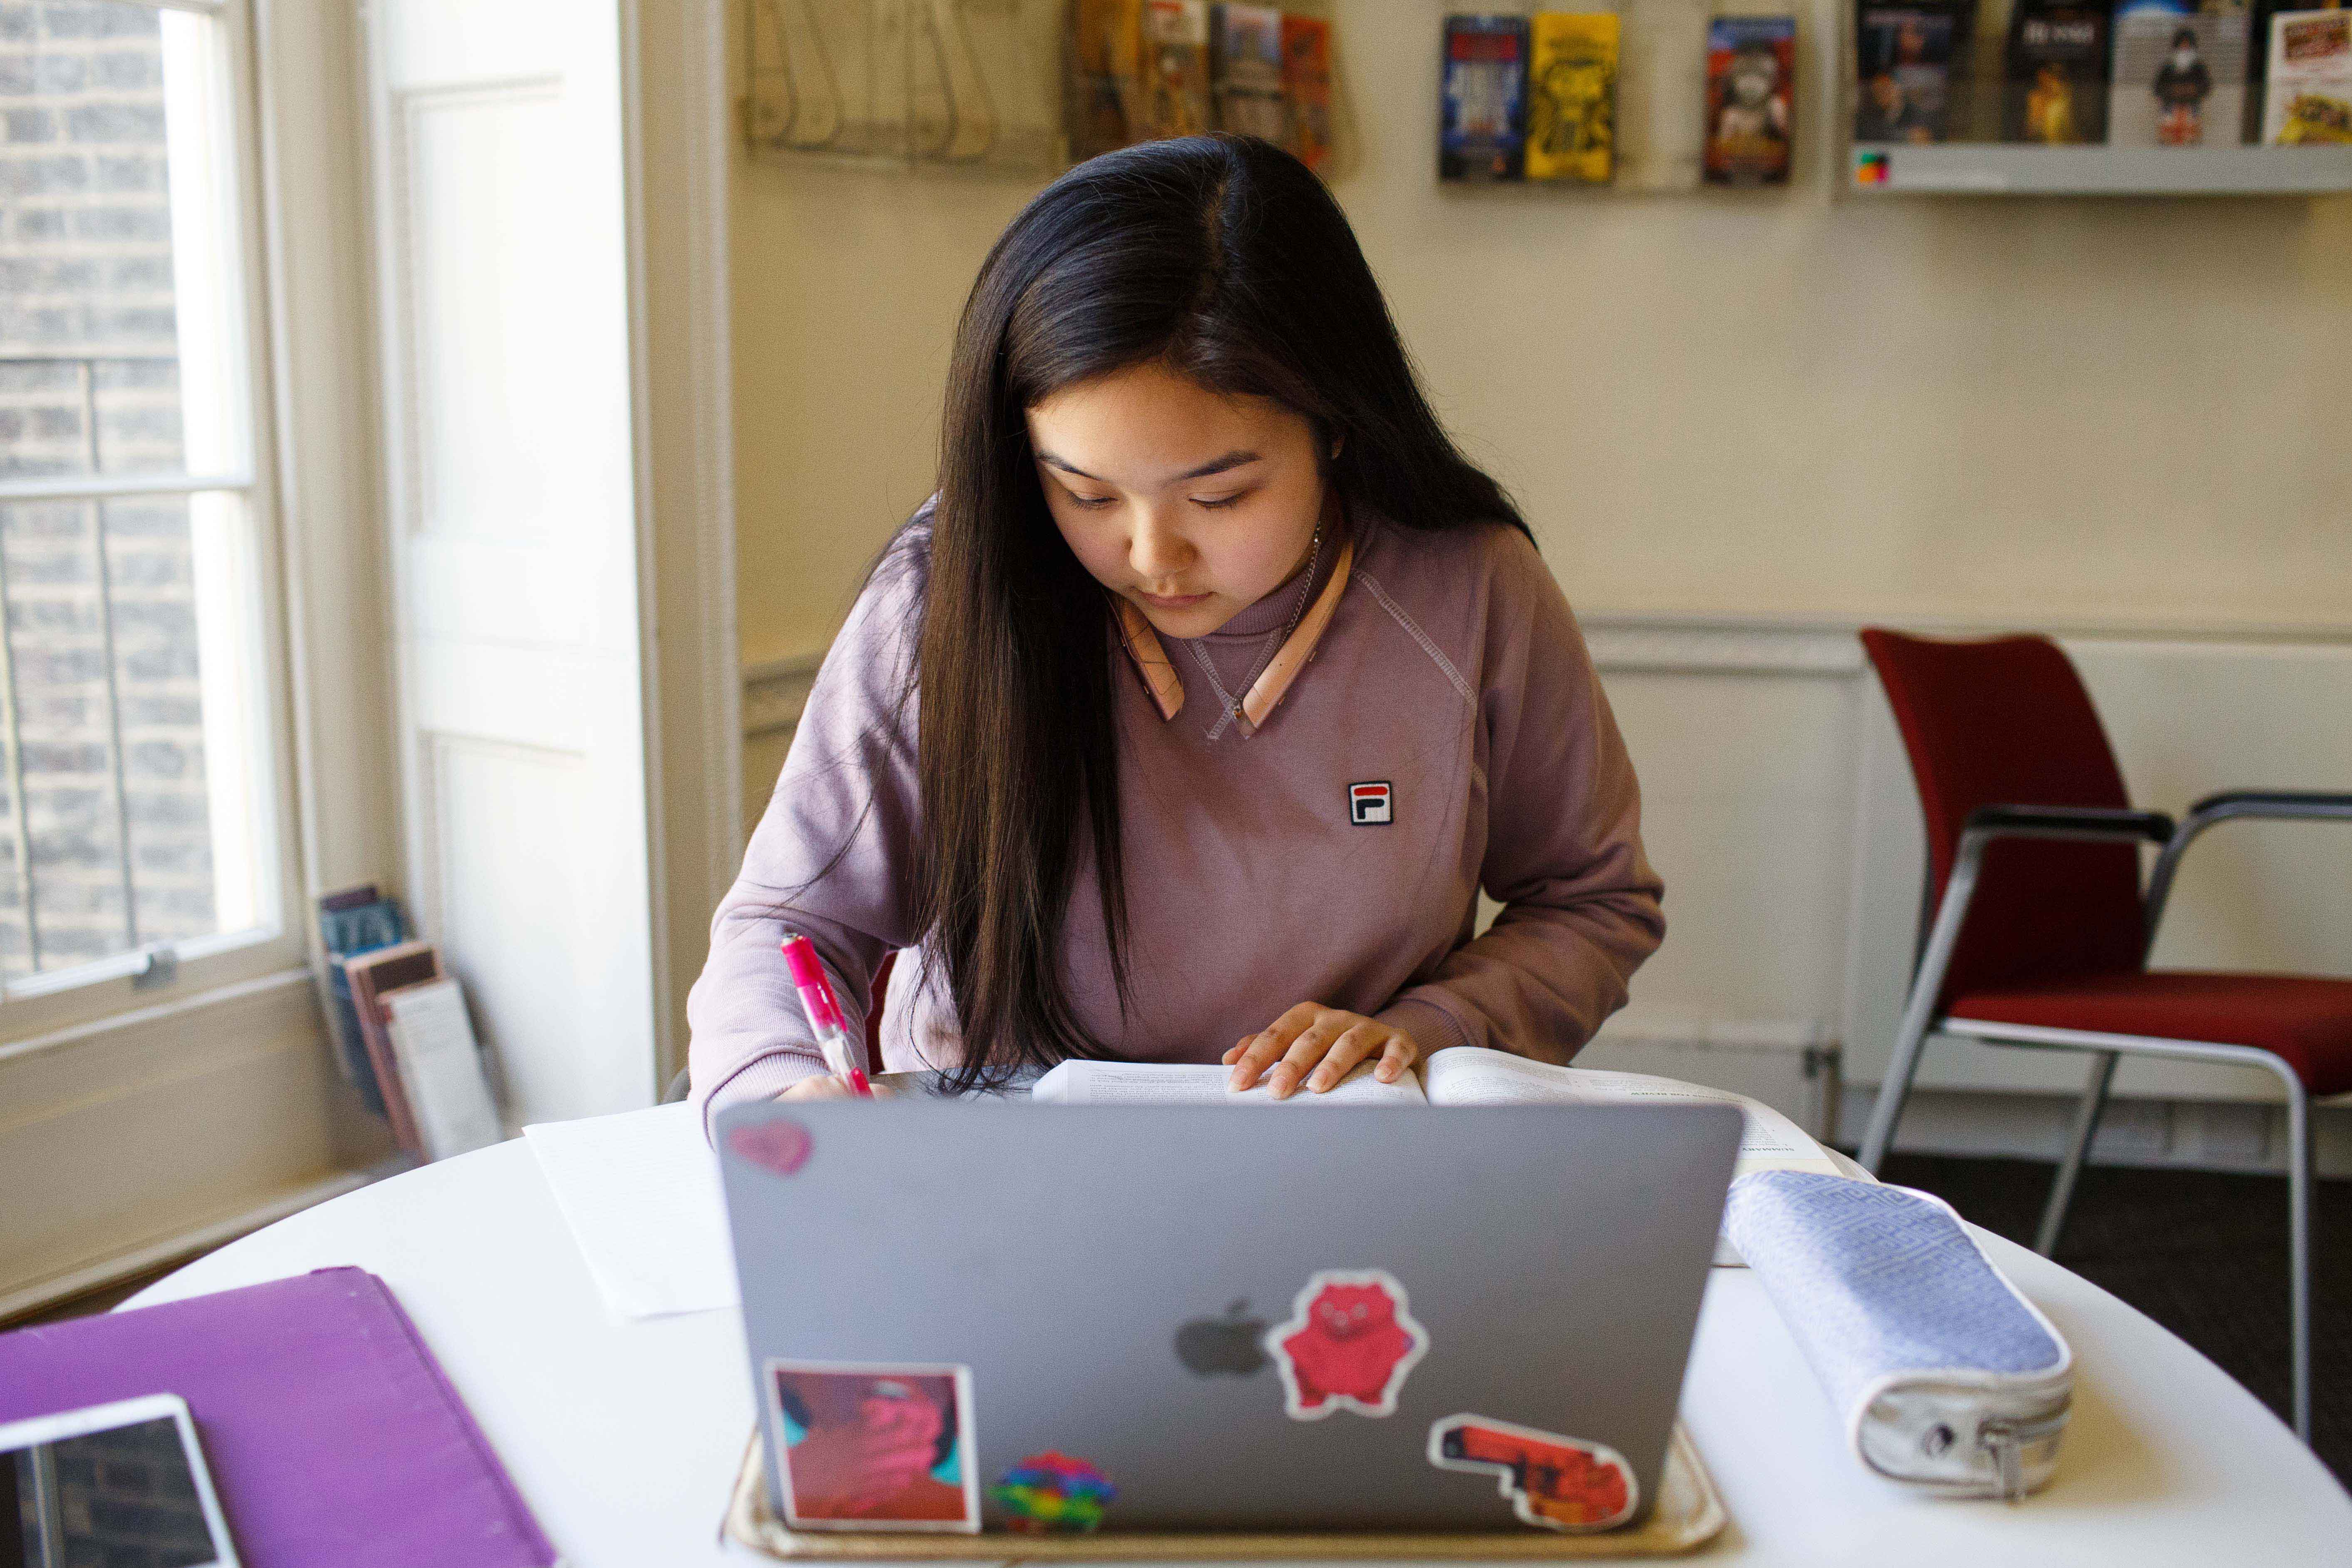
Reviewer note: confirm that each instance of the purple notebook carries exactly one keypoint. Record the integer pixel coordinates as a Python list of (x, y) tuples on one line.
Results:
[(332, 1434)]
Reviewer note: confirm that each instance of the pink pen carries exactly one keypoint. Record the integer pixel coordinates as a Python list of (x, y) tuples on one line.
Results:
[(825, 1015)]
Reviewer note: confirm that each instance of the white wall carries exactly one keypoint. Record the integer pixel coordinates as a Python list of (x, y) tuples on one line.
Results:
[(2000, 408)]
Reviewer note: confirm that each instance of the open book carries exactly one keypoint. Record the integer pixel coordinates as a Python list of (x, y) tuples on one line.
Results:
[(1462, 1076)]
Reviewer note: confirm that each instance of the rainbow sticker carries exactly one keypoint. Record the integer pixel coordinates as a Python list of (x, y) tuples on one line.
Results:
[(1052, 1493)]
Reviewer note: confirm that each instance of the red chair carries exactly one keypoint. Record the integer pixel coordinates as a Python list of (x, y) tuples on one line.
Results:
[(2041, 931), (881, 989)]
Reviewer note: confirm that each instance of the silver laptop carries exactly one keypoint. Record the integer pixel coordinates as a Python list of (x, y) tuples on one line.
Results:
[(967, 1316)]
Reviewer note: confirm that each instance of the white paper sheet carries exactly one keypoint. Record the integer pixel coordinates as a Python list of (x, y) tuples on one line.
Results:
[(640, 1192)]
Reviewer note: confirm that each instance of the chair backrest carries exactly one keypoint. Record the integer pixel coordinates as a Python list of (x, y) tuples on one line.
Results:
[(2006, 722), (881, 989)]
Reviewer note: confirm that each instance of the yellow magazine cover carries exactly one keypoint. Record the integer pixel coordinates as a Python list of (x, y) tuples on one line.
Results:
[(1573, 96)]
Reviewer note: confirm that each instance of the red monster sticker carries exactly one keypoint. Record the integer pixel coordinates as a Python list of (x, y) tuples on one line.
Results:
[(1554, 1482), (1347, 1345)]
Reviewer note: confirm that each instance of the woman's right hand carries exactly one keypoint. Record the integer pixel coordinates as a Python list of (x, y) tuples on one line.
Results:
[(827, 1086)]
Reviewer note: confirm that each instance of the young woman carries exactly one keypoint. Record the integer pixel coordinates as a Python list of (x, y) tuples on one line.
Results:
[(1187, 720)]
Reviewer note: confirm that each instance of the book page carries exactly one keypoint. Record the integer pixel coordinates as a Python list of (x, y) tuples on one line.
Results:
[(1192, 1083), (1472, 1075)]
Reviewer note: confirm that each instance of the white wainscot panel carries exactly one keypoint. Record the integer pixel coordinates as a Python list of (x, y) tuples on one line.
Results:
[(489, 221), (506, 823), (438, 39), (1747, 811)]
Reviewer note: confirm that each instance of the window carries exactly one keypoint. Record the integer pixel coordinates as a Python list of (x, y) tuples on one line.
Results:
[(137, 785)]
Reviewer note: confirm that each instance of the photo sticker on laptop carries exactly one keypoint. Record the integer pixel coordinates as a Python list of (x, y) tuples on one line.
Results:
[(874, 1446), (1347, 1345), (1553, 1482)]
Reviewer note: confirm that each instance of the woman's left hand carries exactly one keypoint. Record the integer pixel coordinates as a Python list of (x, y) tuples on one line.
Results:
[(1319, 1045)]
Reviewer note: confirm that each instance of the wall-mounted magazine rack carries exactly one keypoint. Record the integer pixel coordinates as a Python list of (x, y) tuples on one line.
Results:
[(1974, 158), (948, 85), (1661, 102), (1995, 168)]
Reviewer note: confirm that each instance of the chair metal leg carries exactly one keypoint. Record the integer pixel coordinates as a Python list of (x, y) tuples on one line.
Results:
[(2299, 1221), (1917, 1022), (1919, 1011), (2087, 1122)]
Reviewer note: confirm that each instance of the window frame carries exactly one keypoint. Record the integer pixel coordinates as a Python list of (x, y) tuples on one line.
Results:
[(71, 1000)]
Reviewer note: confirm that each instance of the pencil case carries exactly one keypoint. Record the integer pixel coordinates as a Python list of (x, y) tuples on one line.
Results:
[(1947, 1376)]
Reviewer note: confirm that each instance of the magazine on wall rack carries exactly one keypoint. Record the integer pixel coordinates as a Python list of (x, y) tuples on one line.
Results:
[(2310, 78), (2055, 87), (1751, 72), (1482, 97), (1306, 88), (1245, 70), (1904, 64), (2180, 78), (1100, 85), (1573, 97), (1175, 69)]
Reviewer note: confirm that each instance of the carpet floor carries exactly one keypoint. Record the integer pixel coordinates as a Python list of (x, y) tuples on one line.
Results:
[(2202, 1253)]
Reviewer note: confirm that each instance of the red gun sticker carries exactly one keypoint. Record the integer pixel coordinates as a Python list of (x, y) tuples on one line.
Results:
[(1347, 1345), (1553, 1482)]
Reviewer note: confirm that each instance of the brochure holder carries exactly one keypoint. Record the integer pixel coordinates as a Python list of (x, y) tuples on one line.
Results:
[(1973, 158), (951, 85), (1661, 109)]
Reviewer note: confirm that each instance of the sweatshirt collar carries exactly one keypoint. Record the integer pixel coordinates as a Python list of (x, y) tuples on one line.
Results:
[(1159, 675)]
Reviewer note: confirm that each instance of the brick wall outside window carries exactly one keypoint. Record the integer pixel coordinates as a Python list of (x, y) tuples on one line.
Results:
[(90, 384)]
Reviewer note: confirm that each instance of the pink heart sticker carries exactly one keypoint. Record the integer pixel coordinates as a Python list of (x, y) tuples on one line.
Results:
[(778, 1146)]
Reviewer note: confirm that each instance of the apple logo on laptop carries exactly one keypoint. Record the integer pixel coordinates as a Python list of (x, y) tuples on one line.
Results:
[(1234, 1343)]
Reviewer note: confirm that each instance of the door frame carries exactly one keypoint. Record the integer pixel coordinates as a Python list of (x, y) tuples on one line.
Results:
[(679, 138)]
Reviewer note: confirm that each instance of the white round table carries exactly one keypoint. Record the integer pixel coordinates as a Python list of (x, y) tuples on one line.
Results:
[(625, 1437)]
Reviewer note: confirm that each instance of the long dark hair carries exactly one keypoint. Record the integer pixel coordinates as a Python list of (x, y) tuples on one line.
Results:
[(1226, 259)]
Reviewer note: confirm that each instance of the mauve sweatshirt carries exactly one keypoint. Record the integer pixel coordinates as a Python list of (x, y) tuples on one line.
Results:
[(1452, 671)]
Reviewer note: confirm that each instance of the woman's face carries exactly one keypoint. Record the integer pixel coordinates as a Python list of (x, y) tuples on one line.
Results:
[(1188, 504)]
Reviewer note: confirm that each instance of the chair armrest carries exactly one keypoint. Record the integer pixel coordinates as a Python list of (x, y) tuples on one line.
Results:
[(2273, 805), (1984, 825), (2281, 804), (1989, 822)]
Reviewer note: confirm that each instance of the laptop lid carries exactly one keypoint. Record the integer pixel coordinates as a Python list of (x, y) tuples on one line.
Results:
[(1196, 1317)]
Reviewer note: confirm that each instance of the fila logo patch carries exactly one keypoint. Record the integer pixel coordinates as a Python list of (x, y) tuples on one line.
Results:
[(1371, 805)]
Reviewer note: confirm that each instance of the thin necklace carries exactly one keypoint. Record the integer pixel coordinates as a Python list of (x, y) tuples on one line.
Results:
[(1305, 586), (1274, 640)]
